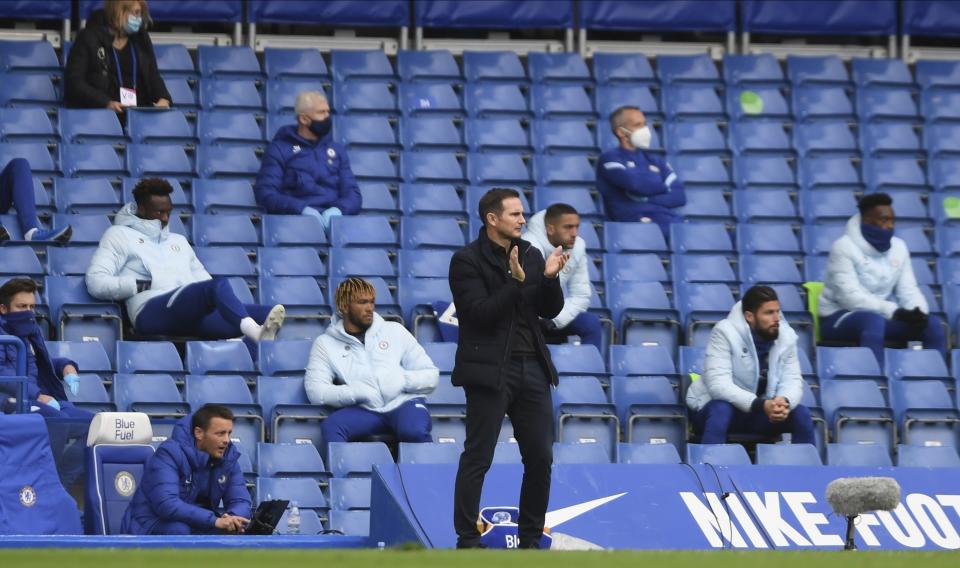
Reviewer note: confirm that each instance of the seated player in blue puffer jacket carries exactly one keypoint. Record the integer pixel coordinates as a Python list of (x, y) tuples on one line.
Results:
[(304, 172), (193, 483)]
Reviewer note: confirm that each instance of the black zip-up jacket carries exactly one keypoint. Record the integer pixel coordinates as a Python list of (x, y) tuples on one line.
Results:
[(91, 81), (488, 302)]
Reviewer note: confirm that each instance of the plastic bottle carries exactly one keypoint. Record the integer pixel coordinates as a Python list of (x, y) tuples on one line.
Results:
[(293, 519)]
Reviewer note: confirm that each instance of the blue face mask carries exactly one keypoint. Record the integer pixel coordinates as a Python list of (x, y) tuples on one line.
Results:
[(133, 24), (879, 238), (21, 324), (320, 128)]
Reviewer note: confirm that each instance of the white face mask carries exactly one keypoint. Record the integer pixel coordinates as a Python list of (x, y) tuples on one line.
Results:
[(641, 137)]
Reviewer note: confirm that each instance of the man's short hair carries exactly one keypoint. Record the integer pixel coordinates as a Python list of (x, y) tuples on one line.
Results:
[(201, 418), (616, 117), (757, 296), (306, 101), (868, 202), (557, 210), (149, 187), (16, 286), (349, 289), (492, 201)]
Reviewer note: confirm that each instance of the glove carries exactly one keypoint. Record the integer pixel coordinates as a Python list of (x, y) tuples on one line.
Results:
[(54, 404), (914, 318), (73, 383)]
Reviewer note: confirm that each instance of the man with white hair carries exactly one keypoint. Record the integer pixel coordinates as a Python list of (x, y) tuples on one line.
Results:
[(304, 172)]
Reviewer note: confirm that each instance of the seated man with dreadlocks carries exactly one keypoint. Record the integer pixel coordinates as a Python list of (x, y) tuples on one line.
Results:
[(372, 370)]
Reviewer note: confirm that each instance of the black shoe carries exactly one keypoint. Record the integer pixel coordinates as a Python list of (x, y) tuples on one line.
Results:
[(462, 545), (4, 234), (529, 546)]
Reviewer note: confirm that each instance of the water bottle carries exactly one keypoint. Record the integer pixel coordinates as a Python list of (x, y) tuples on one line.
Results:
[(293, 519)]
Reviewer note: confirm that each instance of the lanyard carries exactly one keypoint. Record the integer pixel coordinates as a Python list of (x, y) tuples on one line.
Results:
[(133, 55)]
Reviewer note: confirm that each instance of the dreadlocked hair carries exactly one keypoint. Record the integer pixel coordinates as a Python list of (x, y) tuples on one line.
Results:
[(349, 289)]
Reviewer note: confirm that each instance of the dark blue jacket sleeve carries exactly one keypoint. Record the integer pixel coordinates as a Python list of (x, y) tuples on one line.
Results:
[(676, 195), (8, 367), (268, 184), (639, 181), (60, 362), (164, 494), (349, 201), (236, 498)]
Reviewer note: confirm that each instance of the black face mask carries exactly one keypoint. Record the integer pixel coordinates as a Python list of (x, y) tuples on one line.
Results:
[(321, 128), (21, 324)]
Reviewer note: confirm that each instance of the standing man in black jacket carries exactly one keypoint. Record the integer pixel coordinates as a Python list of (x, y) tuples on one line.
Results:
[(501, 287)]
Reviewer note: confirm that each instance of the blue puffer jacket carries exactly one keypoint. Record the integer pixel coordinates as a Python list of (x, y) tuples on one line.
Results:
[(298, 173), (636, 184), (49, 383), (169, 488)]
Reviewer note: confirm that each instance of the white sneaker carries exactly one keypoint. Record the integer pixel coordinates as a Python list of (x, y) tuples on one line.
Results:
[(271, 327)]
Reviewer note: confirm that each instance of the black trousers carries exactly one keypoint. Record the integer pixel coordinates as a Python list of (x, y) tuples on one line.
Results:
[(525, 398)]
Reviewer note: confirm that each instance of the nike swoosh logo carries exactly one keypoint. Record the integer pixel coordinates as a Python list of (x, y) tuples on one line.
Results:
[(560, 516)]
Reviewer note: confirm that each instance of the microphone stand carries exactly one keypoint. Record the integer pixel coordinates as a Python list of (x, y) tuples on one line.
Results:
[(850, 544)]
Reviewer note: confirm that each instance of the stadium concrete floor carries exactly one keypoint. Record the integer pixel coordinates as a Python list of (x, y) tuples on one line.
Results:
[(137, 558)]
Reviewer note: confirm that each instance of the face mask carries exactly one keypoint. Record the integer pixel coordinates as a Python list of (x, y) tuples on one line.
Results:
[(641, 137), (133, 24), (320, 128), (21, 324), (878, 238)]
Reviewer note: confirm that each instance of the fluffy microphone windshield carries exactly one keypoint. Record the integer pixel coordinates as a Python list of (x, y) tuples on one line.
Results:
[(851, 496)]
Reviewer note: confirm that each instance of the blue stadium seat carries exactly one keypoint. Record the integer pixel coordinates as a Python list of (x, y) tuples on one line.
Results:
[(224, 196), (20, 261), (937, 74), (757, 103), (648, 454), (788, 454), (154, 394), (373, 165), (819, 239), (558, 68), (559, 101), (763, 171), (857, 413), (90, 125), (939, 106), (229, 128), (700, 238), (561, 136), (428, 66), (152, 126), (815, 102), (88, 195), (77, 315), (563, 170), (431, 167), (702, 268), (369, 231), (643, 314), (611, 97), (416, 296), (769, 268), (694, 137), (580, 453), (748, 70), (433, 99), (364, 97), (182, 94), (881, 139), (148, 357), (642, 360), (705, 204), (87, 229), (767, 204), (619, 68), (827, 205), (362, 262), (290, 417), (297, 461), (827, 69), (759, 137), (221, 230), (40, 158), (424, 263), (886, 103), (305, 491), (496, 134), (494, 169), (90, 160), (702, 171), (687, 101), (430, 199), (292, 230), (925, 412), (281, 94), (417, 453), (28, 91), (227, 161), (148, 160), (109, 462), (858, 455), (26, 125), (33, 56), (364, 131), (493, 100), (644, 267), (218, 358), (350, 523), (584, 416), (223, 94), (828, 172), (717, 454), (431, 232), (868, 72), (360, 64), (828, 137), (687, 69), (91, 357), (942, 139), (944, 174), (356, 459), (848, 363), (633, 238), (700, 307), (305, 303), (283, 358), (347, 494), (234, 62), (649, 411), (377, 199), (281, 63), (493, 66), (173, 60), (927, 456), (92, 395), (577, 197), (289, 261), (577, 360), (226, 261), (431, 133), (231, 391)]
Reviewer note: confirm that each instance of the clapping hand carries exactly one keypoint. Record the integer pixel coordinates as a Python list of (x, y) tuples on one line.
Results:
[(516, 269), (555, 262)]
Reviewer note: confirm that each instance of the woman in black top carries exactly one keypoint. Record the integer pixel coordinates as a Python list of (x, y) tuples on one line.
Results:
[(112, 64)]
